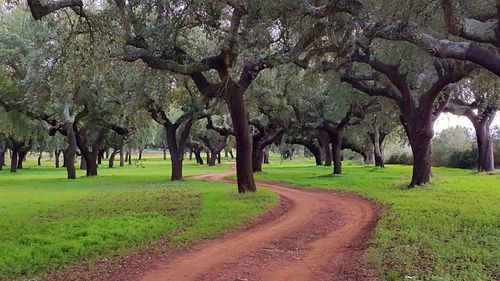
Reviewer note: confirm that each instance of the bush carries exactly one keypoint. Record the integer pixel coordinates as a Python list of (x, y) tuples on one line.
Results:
[(462, 159), (400, 158)]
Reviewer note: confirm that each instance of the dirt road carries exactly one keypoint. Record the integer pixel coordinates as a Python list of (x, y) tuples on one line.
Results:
[(320, 236)]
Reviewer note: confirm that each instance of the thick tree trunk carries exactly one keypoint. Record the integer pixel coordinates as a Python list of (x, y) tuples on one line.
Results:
[(486, 160), (218, 158), (70, 152), (337, 154), (239, 117), (92, 164), (421, 149), (176, 158), (419, 130), (13, 160)]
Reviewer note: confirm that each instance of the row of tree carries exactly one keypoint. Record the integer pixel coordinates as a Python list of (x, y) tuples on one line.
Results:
[(324, 76)]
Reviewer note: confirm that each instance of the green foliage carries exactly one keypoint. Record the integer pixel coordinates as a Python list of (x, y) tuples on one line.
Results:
[(447, 230), (48, 222), (453, 148), (404, 158)]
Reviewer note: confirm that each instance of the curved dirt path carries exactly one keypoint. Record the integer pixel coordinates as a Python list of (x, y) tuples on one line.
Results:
[(322, 236)]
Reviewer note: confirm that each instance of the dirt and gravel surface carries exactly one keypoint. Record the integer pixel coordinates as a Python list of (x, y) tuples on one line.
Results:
[(311, 235)]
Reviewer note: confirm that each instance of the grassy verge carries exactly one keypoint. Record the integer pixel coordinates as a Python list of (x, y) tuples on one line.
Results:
[(448, 230), (48, 221)]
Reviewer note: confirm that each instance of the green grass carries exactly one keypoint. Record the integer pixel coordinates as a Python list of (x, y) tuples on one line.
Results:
[(47, 221), (448, 230)]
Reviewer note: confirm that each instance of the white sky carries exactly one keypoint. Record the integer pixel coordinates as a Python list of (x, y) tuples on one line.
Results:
[(447, 120)]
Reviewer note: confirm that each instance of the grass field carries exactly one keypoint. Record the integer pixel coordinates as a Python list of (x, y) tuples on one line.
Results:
[(448, 230), (47, 221)]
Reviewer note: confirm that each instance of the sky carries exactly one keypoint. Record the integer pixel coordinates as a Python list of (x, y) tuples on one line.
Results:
[(447, 120)]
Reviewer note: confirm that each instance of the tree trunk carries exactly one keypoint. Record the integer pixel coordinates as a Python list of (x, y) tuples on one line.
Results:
[(190, 155), (140, 154), (197, 156), (2, 159), (122, 161), (13, 160), (337, 154), (213, 157), (218, 158), (377, 140), (70, 152), (39, 160), (239, 117), (421, 162), (176, 158), (266, 156), (257, 159), (325, 141), (100, 156), (164, 154), (21, 158), (128, 158), (92, 164), (486, 160), (57, 154), (111, 161), (83, 163)]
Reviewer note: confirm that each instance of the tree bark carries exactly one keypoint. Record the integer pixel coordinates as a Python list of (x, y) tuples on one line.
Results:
[(257, 159), (70, 152), (486, 160), (239, 117), (420, 133), (337, 153), (13, 160), (212, 159), (140, 154), (421, 149)]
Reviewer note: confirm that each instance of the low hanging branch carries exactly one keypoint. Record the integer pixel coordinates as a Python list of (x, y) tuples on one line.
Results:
[(39, 9)]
